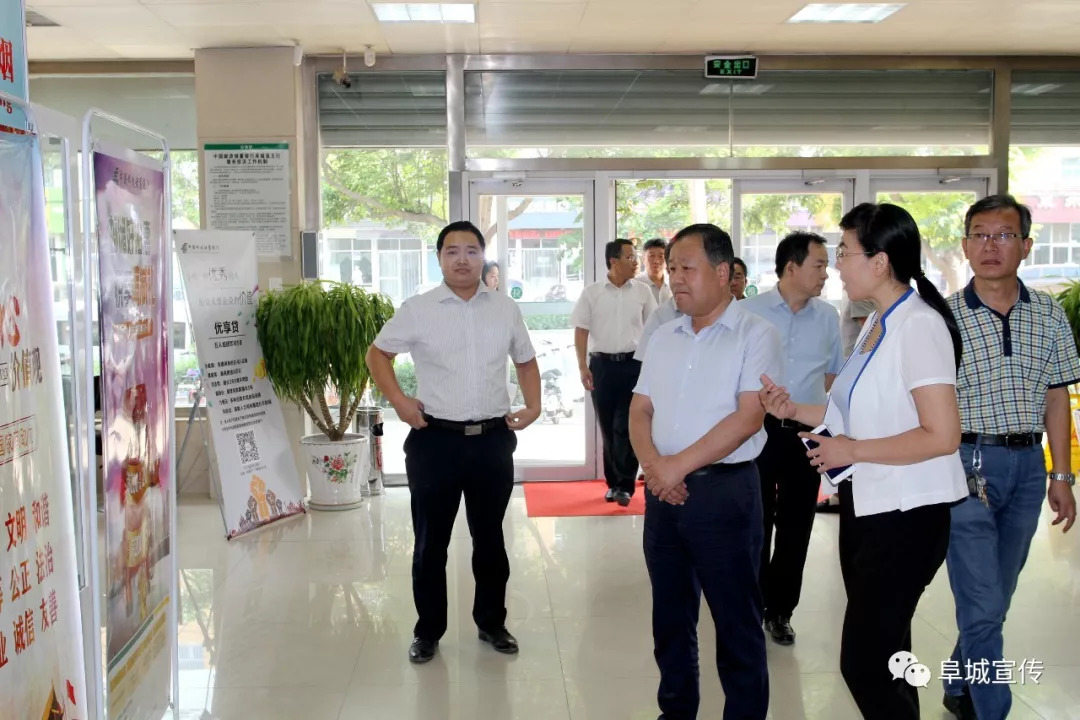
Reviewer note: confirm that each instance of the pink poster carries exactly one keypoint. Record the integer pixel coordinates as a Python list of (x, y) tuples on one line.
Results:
[(134, 262), (41, 639)]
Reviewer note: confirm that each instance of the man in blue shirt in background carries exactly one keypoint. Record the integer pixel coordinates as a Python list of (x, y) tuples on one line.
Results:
[(812, 356)]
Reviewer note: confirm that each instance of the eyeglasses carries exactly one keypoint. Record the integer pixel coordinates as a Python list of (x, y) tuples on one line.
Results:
[(1003, 238), (841, 253)]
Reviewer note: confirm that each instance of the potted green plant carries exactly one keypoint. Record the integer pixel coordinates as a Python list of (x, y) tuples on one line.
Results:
[(314, 336)]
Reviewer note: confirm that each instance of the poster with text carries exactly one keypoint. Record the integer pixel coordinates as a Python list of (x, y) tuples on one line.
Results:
[(254, 456), (134, 262), (248, 187), (41, 640), (13, 68)]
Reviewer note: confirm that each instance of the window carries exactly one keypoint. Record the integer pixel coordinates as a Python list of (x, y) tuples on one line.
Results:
[(660, 208), (385, 193), (382, 213), (165, 103), (1046, 178), (679, 113), (389, 110), (1045, 108)]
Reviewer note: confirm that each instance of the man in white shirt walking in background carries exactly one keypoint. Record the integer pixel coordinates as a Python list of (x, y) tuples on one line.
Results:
[(608, 320), (655, 270)]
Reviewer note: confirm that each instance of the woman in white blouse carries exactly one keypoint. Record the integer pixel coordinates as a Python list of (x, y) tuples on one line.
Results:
[(893, 415)]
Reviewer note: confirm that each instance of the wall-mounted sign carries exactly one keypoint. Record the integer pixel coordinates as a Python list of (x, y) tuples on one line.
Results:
[(731, 67), (248, 188)]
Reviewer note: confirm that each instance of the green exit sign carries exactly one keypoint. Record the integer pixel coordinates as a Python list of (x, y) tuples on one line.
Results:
[(731, 66)]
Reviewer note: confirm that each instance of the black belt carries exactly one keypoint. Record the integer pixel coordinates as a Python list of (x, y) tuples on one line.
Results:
[(613, 357), (1013, 440), (475, 427), (717, 468), (788, 424)]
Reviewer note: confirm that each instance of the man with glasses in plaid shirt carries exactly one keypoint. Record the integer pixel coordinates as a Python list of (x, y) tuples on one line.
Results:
[(1013, 385)]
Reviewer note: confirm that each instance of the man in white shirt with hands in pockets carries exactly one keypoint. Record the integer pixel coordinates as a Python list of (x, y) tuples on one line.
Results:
[(462, 440), (696, 425)]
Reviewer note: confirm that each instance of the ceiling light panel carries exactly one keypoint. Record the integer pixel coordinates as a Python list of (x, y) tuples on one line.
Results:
[(845, 12), (425, 12)]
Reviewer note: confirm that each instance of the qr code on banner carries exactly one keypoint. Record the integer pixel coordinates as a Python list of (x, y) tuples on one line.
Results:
[(249, 451)]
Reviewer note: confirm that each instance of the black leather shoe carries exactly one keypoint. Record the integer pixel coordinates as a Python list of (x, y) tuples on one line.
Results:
[(501, 640), (421, 651), (609, 496), (960, 705), (781, 631), (622, 497)]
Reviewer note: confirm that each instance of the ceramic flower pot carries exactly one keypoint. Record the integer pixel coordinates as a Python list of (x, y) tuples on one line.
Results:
[(337, 471)]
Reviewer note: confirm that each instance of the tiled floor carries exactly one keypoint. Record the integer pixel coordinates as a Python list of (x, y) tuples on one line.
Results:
[(311, 619)]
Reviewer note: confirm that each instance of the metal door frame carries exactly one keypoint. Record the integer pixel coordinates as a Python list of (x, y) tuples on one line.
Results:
[(472, 187)]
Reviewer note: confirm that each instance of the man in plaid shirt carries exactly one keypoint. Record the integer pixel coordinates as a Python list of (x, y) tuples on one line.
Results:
[(1013, 385)]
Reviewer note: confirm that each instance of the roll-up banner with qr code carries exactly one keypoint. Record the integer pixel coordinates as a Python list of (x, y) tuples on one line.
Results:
[(136, 390), (255, 462), (41, 656)]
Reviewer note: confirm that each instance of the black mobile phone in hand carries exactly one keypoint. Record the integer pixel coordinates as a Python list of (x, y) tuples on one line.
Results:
[(836, 475)]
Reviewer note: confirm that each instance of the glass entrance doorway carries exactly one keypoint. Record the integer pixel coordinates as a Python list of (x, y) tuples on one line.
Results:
[(938, 205), (768, 210), (540, 233)]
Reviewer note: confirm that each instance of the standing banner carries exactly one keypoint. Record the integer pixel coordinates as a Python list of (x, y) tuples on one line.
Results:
[(41, 654), (254, 456), (136, 392), (13, 65)]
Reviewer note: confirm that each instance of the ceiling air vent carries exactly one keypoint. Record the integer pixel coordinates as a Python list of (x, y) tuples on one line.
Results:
[(36, 19)]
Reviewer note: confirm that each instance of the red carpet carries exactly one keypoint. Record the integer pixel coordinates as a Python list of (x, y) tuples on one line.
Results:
[(578, 498)]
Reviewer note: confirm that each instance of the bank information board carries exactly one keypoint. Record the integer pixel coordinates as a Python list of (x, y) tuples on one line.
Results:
[(248, 188)]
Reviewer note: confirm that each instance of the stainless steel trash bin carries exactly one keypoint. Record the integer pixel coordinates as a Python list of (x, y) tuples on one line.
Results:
[(369, 422)]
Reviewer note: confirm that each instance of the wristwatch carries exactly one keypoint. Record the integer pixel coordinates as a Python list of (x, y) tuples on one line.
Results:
[(1067, 478)]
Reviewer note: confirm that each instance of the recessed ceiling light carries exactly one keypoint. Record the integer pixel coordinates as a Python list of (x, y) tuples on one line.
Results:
[(425, 12), (845, 12)]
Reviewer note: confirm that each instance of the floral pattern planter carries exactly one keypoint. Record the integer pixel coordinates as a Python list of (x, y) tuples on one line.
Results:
[(336, 471)]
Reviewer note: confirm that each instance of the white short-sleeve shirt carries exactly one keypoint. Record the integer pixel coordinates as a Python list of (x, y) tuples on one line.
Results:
[(915, 350), (661, 293), (460, 350), (694, 379), (614, 316)]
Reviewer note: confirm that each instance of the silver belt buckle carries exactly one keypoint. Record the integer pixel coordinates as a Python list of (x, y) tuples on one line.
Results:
[(473, 429)]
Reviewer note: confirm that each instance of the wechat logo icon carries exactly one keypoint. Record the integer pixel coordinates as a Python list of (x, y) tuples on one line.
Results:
[(905, 665)]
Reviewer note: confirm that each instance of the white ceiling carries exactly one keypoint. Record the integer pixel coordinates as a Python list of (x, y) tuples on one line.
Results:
[(173, 29)]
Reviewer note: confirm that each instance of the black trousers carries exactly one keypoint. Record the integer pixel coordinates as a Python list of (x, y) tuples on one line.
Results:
[(443, 465), (711, 544), (887, 561), (613, 389), (789, 491)]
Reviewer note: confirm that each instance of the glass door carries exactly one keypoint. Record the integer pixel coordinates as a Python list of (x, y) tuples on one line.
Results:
[(541, 234), (938, 204), (767, 210)]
